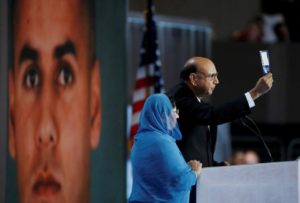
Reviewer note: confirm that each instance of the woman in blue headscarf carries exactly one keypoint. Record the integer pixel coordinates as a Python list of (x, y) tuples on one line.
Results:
[(160, 173)]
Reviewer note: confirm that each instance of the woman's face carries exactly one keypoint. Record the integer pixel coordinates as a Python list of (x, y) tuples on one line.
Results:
[(174, 115)]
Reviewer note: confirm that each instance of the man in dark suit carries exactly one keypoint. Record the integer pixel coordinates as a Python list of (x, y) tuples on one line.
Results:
[(198, 120)]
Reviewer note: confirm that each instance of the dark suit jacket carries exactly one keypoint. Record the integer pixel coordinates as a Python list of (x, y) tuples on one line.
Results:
[(198, 140)]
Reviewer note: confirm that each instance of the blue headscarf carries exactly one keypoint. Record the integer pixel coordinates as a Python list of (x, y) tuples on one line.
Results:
[(156, 116), (160, 173)]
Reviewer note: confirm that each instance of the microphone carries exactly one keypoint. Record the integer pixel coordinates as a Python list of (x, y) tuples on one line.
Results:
[(257, 132)]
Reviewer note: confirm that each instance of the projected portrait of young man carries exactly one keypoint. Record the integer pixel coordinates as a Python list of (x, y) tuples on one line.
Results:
[(55, 104)]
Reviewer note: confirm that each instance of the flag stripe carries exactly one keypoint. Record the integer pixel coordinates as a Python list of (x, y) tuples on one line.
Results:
[(148, 81), (138, 106), (135, 118)]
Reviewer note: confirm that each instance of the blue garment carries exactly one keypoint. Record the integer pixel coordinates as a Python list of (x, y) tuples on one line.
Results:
[(160, 173)]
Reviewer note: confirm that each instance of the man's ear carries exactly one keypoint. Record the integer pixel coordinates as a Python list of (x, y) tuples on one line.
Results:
[(192, 79), (11, 140), (96, 109)]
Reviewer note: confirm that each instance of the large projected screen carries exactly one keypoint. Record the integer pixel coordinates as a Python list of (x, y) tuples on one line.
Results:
[(58, 142)]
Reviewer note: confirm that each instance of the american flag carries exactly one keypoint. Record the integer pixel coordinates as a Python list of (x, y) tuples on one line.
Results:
[(149, 78)]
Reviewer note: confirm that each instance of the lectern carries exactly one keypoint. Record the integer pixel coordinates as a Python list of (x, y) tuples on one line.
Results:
[(276, 182)]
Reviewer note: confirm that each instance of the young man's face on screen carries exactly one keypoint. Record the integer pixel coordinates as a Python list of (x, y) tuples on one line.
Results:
[(54, 101)]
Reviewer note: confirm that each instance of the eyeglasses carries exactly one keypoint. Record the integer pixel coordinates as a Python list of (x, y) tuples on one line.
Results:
[(212, 76)]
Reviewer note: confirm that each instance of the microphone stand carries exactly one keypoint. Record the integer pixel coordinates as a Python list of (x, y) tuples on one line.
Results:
[(257, 132)]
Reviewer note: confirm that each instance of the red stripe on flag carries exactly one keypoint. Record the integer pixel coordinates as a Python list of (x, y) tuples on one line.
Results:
[(144, 82), (133, 131), (137, 106)]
